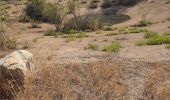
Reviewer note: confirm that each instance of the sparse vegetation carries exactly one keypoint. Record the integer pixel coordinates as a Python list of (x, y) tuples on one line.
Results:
[(93, 46), (150, 34), (167, 46), (114, 47), (51, 32), (166, 33), (6, 42), (108, 28)]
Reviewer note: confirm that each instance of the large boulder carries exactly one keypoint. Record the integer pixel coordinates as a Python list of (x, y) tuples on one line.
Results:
[(13, 68)]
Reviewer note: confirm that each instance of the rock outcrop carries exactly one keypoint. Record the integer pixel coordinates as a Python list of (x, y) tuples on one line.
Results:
[(13, 68)]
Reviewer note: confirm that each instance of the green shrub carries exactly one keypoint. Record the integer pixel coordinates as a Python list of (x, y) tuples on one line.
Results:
[(93, 46), (86, 22), (34, 9), (70, 31), (166, 33), (158, 40), (99, 32), (141, 43), (112, 33), (167, 46), (108, 28), (24, 18), (81, 35), (51, 33), (134, 30), (114, 47), (150, 34), (71, 37), (143, 23)]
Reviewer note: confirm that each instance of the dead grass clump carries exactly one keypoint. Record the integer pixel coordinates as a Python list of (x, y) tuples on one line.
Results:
[(87, 81), (157, 86)]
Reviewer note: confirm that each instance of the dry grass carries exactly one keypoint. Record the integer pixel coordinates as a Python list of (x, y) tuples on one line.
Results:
[(157, 86), (74, 82)]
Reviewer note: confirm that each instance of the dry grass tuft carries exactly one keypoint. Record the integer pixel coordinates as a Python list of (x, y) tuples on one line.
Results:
[(157, 86), (74, 82)]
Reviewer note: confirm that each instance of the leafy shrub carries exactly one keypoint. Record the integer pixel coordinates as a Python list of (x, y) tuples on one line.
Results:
[(166, 33), (24, 18), (71, 37), (108, 28), (55, 13), (81, 35), (158, 40), (70, 31), (34, 9), (143, 23), (86, 22), (93, 46), (167, 46), (51, 33), (114, 47), (150, 34), (134, 30), (112, 33), (141, 43)]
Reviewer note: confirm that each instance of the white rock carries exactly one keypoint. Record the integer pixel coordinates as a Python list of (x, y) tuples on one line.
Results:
[(18, 59)]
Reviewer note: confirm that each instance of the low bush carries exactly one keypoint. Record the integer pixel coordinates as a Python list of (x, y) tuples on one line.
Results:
[(24, 18), (112, 33), (141, 43), (150, 34), (51, 32), (167, 46), (135, 30), (93, 46), (158, 40), (34, 9), (71, 37), (108, 28), (114, 47), (166, 33), (81, 35), (86, 22), (143, 23), (7, 42)]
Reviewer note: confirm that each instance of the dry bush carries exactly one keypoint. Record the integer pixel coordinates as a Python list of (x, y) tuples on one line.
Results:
[(157, 86), (6, 42), (74, 82)]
